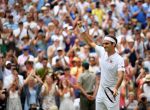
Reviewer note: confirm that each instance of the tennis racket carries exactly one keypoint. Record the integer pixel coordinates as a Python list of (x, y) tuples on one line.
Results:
[(109, 94)]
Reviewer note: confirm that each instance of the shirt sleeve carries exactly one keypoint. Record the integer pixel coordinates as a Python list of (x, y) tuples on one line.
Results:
[(121, 65)]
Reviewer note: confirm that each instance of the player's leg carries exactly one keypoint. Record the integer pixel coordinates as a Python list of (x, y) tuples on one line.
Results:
[(100, 106)]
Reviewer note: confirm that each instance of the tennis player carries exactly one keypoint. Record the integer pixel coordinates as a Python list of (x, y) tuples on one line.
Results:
[(112, 71)]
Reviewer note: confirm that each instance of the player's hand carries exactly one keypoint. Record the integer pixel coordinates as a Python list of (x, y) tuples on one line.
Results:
[(115, 92), (81, 27)]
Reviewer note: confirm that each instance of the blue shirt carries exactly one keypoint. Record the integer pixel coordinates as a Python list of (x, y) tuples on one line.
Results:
[(40, 4), (12, 26), (141, 17)]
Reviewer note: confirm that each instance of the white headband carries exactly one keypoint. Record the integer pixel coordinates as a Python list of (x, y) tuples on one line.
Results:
[(110, 39)]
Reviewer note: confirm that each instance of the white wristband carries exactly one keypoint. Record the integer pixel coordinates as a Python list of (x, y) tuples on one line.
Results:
[(82, 29)]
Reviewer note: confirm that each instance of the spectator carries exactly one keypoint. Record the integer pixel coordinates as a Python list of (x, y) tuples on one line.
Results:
[(13, 101), (31, 91), (48, 93), (66, 93), (131, 103), (146, 87), (86, 85)]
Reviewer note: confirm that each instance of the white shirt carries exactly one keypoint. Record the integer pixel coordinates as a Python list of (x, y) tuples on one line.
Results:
[(22, 59), (146, 89), (7, 72), (62, 60), (94, 69), (60, 38), (110, 65), (22, 34), (9, 80)]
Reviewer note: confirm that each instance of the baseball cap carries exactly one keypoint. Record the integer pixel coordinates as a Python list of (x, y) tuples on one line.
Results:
[(25, 48), (88, 10), (112, 4), (47, 4), (7, 62), (59, 48), (130, 39)]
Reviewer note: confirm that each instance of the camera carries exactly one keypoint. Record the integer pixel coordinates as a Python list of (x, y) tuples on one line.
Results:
[(34, 107)]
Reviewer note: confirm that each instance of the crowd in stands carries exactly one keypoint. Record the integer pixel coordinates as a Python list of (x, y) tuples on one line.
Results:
[(42, 53)]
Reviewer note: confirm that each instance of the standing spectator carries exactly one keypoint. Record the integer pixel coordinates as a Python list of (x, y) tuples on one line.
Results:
[(3, 96), (94, 67), (13, 101), (130, 51), (70, 78), (8, 80), (77, 69), (139, 43), (25, 56), (48, 93), (146, 87), (61, 56), (31, 91), (98, 13), (66, 93), (138, 12), (140, 81), (52, 49), (10, 24), (87, 81)]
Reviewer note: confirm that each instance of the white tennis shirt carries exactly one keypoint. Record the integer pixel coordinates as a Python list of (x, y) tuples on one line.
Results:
[(110, 65)]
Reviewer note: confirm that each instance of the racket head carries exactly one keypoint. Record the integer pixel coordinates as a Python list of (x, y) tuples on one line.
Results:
[(109, 94)]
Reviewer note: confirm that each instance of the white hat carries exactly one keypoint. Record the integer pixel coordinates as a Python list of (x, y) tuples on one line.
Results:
[(59, 48), (33, 25), (51, 24), (7, 62), (44, 8), (130, 39), (61, 2), (147, 78), (112, 3), (31, 7), (47, 4)]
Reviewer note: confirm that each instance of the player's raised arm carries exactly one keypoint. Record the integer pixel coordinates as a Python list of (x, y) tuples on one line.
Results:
[(85, 35)]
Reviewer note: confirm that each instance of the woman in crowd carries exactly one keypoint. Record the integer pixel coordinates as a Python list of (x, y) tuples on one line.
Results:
[(31, 91), (13, 101), (48, 91), (66, 94)]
